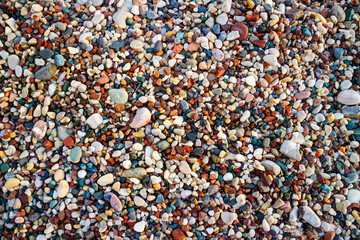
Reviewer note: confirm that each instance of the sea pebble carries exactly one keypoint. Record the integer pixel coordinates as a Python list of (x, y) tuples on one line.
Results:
[(141, 118)]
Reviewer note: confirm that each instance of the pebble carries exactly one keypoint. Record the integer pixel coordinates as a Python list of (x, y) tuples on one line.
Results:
[(271, 60), (118, 95), (138, 173), (106, 179), (291, 150), (39, 129), (13, 61), (76, 154), (141, 118), (12, 183), (140, 226), (228, 217), (62, 188), (348, 97), (184, 167), (310, 216), (94, 120), (46, 72)]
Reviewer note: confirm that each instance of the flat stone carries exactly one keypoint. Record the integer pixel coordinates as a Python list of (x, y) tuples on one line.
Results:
[(13, 61), (12, 183), (94, 120), (139, 201), (294, 13), (116, 203), (142, 117), (351, 112), (138, 173), (46, 72), (120, 16), (271, 166), (228, 217), (184, 167), (302, 95), (291, 149), (140, 226), (271, 60), (193, 47), (97, 18), (39, 129), (62, 189), (309, 216), (348, 97), (76, 154), (218, 54), (106, 179), (46, 53), (118, 95)]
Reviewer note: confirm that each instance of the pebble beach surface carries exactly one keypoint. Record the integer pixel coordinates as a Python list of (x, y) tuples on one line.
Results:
[(179, 120)]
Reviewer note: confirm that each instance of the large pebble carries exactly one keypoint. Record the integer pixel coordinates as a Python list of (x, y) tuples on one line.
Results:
[(271, 166), (76, 154), (62, 189), (228, 217), (13, 61), (116, 203), (141, 118), (140, 226), (271, 60), (46, 72), (120, 16), (310, 216), (138, 173), (118, 95), (348, 97), (39, 129), (184, 167), (353, 196), (94, 120), (11, 183), (106, 179)]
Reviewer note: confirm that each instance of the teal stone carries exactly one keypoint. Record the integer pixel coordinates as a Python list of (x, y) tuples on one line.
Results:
[(4, 167), (53, 203), (76, 154), (129, 21), (351, 125), (306, 31), (59, 60), (357, 134), (326, 188)]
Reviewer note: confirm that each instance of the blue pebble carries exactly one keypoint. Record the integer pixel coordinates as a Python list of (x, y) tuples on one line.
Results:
[(180, 35), (222, 36), (351, 125), (216, 29), (202, 9), (338, 52), (306, 32)]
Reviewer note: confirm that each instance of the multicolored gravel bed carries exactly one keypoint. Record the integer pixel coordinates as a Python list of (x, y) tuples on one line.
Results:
[(180, 119)]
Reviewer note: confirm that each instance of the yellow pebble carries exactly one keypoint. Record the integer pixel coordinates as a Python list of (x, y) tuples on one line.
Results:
[(11, 183), (108, 213), (250, 4), (356, 215), (330, 118)]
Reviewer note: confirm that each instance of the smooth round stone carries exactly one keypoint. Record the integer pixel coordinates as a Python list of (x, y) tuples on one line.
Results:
[(46, 72), (81, 173), (138, 173), (12, 183), (118, 95), (62, 188), (39, 129), (228, 217), (136, 44), (348, 97), (302, 95), (345, 85), (59, 175), (94, 120), (353, 196), (139, 201), (271, 166), (301, 115), (354, 158), (213, 189), (271, 60), (338, 12), (140, 226), (242, 29), (137, 147), (116, 203), (46, 53), (106, 179), (228, 177), (141, 118), (13, 61), (338, 52), (4, 168), (184, 167), (218, 54), (76, 154), (151, 15)]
